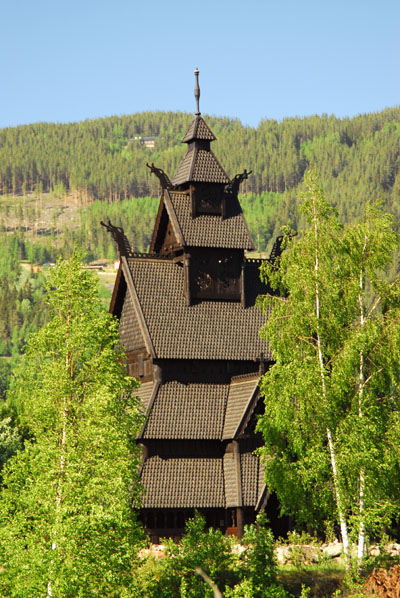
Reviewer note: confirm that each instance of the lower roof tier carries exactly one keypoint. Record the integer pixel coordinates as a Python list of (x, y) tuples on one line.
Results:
[(203, 482), (197, 410)]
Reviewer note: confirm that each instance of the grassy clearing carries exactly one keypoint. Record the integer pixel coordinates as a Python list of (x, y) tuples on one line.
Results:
[(323, 579)]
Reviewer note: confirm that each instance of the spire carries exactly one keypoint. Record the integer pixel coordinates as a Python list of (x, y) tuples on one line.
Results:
[(199, 164), (197, 91)]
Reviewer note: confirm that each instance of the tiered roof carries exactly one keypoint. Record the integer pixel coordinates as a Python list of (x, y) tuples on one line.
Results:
[(199, 165), (197, 410), (187, 411), (199, 130), (183, 482), (193, 428)]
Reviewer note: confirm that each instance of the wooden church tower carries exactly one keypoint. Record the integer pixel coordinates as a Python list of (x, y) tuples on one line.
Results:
[(190, 327)]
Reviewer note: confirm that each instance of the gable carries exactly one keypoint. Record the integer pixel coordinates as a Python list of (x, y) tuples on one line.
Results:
[(167, 236), (240, 398), (133, 331)]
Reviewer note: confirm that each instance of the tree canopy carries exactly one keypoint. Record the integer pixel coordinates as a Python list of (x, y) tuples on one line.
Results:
[(332, 404), (67, 528)]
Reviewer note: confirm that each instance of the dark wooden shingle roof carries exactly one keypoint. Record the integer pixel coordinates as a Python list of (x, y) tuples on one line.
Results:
[(207, 330), (241, 392), (187, 411), (201, 482), (129, 331), (209, 230), (145, 392), (252, 478), (183, 483), (198, 130), (199, 166)]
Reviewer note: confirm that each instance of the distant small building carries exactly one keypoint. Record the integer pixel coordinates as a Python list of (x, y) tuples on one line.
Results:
[(146, 141)]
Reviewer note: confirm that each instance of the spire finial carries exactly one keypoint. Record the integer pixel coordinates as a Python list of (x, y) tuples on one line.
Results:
[(197, 91)]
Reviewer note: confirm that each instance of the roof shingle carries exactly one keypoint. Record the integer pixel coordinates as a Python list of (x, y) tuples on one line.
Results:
[(207, 169), (231, 491), (210, 230), (182, 174), (199, 482), (250, 467), (129, 330), (187, 411), (183, 483), (240, 393), (198, 130), (199, 166), (207, 330), (144, 393)]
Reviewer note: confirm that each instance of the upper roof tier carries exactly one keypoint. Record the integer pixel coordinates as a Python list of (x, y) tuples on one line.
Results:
[(205, 230), (198, 410), (199, 165), (199, 130)]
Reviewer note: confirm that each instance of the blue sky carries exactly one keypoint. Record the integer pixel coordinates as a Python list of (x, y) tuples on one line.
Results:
[(71, 60)]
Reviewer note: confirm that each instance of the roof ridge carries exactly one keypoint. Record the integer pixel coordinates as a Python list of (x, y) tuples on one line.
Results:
[(195, 152), (157, 257), (241, 377)]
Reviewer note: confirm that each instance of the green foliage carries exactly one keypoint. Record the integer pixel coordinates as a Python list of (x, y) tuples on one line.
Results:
[(21, 304), (253, 575), (333, 391), (5, 374), (260, 564), (175, 575), (65, 508), (246, 589), (257, 568), (136, 216), (10, 440)]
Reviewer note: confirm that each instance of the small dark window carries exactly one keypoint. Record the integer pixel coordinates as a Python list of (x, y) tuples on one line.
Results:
[(140, 366)]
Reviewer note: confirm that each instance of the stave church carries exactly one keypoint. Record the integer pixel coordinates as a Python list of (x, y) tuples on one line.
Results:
[(190, 325)]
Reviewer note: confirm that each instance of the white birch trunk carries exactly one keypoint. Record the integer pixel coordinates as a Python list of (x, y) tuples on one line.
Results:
[(361, 383), (61, 470), (339, 504)]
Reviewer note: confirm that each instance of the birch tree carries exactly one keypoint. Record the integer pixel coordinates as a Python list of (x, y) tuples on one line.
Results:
[(331, 399), (66, 523)]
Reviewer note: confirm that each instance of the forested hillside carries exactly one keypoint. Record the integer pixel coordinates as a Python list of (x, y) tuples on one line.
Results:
[(357, 158)]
